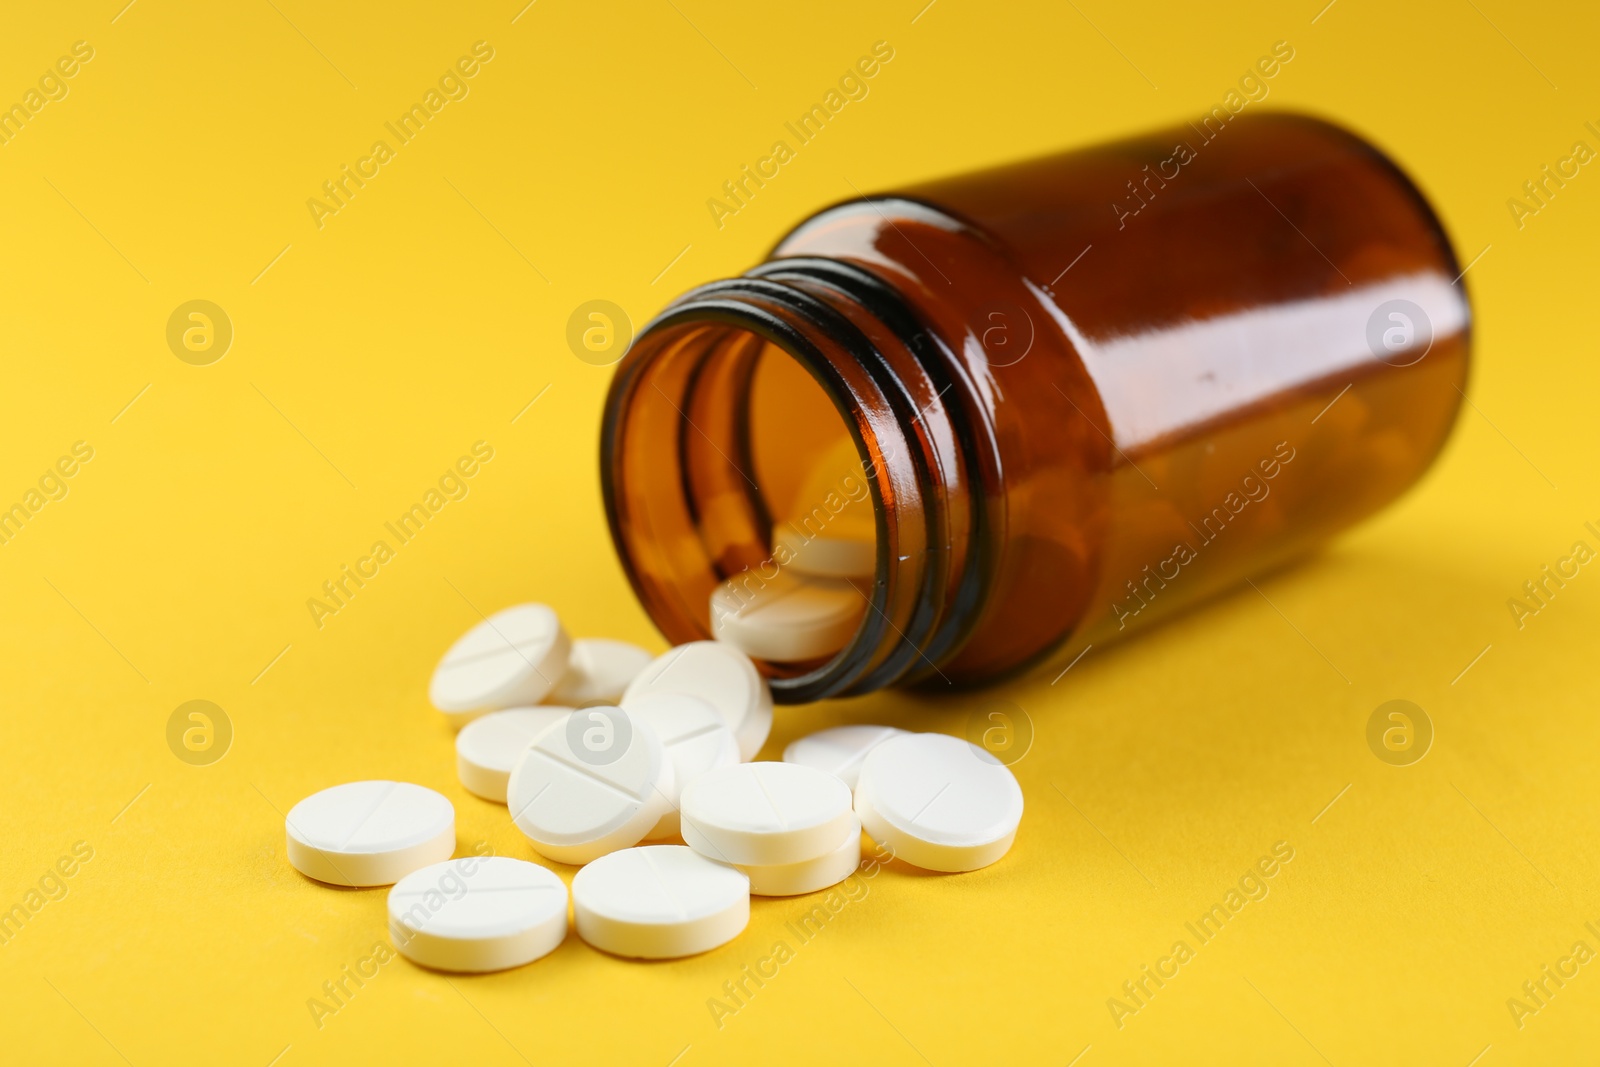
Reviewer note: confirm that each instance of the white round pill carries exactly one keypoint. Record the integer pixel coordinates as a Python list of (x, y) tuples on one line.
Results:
[(852, 554), (722, 676), (487, 748), (787, 619), (478, 914), (659, 902), (598, 671), (939, 802), (369, 833), (512, 658), (696, 740), (839, 750), (597, 781), (765, 813), (831, 529), (807, 876)]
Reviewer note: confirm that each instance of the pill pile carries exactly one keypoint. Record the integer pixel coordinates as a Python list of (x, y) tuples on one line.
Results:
[(606, 757)]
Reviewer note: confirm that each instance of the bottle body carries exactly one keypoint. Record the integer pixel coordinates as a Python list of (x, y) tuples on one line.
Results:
[(1086, 391)]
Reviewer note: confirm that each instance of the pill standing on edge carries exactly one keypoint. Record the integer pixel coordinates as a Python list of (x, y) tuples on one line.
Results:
[(488, 747), (369, 833), (938, 802), (512, 658), (839, 750), (787, 619), (598, 670), (697, 740), (807, 876), (659, 902), (765, 813), (478, 914), (722, 676), (597, 781)]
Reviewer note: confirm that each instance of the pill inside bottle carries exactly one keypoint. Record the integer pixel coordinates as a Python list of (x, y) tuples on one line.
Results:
[(798, 533)]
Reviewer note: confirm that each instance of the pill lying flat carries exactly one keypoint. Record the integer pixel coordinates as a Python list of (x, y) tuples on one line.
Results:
[(696, 740), (765, 813), (598, 671), (659, 902), (839, 750), (831, 528), (938, 802), (722, 676), (787, 619), (478, 914), (841, 554), (369, 833), (512, 658), (595, 782), (807, 876), (487, 748)]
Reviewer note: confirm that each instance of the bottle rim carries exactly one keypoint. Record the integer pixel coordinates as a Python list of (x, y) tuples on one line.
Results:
[(936, 551)]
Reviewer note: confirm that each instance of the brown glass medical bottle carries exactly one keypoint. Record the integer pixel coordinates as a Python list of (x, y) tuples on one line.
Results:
[(1085, 391)]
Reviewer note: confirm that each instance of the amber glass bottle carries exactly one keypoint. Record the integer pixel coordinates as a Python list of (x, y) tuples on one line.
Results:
[(1077, 394)]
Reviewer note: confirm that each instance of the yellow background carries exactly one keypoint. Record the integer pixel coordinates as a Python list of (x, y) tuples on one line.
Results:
[(426, 315)]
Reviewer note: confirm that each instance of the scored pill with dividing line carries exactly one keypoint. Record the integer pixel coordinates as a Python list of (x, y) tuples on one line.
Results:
[(722, 676), (478, 914), (369, 833), (595, 782), (696, 738), (512, 658), (765, 813), (938, 802), (659, 902)]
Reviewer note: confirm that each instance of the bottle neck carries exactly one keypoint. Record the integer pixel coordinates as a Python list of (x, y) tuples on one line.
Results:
[(686, 515)]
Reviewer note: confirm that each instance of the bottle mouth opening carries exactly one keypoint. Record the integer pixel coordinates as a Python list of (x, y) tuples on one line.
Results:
[(802, 371), (735, 463)]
